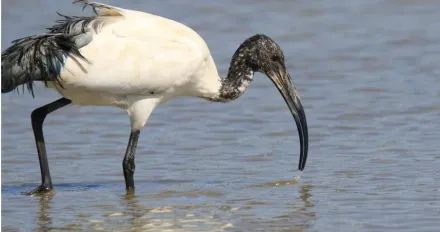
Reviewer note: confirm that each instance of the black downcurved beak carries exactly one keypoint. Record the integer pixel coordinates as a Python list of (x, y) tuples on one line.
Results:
[(285, 86)]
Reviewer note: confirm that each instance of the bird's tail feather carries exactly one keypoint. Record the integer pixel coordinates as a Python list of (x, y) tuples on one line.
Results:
[(41, 57), (36, 58)]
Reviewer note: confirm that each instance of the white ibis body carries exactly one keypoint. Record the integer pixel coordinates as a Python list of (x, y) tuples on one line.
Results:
[(136, 61)]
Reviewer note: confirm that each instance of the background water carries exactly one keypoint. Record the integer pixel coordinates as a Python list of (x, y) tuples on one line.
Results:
[(368, 73)]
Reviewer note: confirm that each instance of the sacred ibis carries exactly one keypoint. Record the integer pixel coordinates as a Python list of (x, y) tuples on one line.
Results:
[(136, 61)]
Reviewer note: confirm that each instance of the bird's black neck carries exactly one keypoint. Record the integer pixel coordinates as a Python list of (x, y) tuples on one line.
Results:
[(239, 77)]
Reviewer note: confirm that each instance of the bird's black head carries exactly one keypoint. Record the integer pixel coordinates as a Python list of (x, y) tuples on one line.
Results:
[(260, 53)]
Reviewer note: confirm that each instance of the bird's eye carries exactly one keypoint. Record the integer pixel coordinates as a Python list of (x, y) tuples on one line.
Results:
[(275, 58)]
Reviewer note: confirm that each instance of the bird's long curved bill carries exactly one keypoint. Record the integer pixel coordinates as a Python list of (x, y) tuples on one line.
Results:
[(285, 85)]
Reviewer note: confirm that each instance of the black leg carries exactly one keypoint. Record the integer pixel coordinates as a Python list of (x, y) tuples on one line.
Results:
[(38, 116), (128, 162)]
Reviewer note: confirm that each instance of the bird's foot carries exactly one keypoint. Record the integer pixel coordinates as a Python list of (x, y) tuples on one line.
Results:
[(42, 189)]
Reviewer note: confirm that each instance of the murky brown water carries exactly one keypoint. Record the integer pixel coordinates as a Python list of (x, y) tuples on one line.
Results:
[(369, 75)]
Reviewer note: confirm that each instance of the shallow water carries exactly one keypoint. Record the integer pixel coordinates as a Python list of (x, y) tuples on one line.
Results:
[(367, 71)]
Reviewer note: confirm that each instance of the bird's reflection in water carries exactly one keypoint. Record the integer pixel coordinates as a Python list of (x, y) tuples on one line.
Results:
[(299, 214), (134, 210), (305, 195), (302, 214), (44, 219)]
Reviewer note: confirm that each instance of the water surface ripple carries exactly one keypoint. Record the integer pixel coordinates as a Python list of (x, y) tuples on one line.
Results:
[(368, 73)]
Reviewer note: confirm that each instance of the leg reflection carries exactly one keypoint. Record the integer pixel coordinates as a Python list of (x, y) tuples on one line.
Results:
[(44, 219)]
